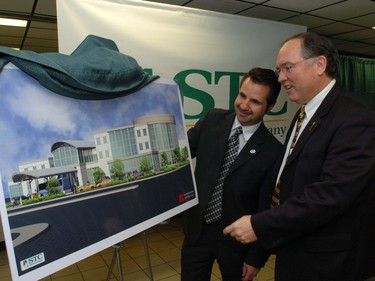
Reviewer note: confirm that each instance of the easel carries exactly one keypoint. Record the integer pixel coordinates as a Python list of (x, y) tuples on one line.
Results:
[(117, 256)]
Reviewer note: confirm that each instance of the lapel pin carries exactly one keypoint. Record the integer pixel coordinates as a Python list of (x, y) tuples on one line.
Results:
[(312, 125), (252, 151)]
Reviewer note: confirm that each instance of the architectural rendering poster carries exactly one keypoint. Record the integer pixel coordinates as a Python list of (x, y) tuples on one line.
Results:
[(83, 175)]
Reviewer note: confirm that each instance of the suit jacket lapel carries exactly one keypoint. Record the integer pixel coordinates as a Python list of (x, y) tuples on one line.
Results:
[(314, 122), (222, 134), (309, 129), (251, 148)]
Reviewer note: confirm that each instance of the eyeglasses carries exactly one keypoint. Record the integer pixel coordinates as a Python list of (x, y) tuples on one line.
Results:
[(287, 68)]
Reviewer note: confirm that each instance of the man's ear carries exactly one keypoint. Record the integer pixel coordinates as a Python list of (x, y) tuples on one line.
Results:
[(321, 63)]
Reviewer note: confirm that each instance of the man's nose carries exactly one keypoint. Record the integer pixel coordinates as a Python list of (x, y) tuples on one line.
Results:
[(245, 105), (282, 77)]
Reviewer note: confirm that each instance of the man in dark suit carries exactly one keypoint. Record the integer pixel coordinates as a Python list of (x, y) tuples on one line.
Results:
[(322, 221), (258, 149)]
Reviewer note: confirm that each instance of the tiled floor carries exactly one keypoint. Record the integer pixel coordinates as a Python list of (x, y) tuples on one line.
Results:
[(164, 243)]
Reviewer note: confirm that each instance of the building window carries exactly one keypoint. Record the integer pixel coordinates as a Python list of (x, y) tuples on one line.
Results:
[(98, 141), (144, 132), (141, 146), (163, 136), (65, 155), (138, 133), (123, 143)]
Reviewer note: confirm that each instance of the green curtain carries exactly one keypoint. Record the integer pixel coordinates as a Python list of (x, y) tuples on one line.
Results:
[(358, 75)]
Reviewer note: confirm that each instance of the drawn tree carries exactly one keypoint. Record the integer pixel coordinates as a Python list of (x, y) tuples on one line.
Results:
[(118, 170)]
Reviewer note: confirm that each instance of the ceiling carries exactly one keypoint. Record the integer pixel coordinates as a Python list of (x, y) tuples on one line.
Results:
[(347, 23)]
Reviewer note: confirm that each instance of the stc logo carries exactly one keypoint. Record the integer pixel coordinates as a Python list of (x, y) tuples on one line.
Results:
[(32, 261)]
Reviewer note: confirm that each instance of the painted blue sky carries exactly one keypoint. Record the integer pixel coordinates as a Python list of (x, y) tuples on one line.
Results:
[(32, 118)]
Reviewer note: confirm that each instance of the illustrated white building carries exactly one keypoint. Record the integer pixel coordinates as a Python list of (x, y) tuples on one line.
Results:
[(148, 136)]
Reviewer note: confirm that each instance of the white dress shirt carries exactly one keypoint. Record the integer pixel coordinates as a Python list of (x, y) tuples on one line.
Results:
[(247, 132), (310, 109)]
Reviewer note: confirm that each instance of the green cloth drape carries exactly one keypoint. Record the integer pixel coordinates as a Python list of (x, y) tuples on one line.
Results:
[(95, 70), (358, 75)]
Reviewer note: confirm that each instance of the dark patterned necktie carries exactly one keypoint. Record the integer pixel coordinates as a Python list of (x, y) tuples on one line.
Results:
[(212, 212), (276, 192)]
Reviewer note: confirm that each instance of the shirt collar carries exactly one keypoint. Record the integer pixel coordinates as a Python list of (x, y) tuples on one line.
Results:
[(247, 131), (314, 103)]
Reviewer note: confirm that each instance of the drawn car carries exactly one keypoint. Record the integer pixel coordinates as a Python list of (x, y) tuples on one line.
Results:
[(104, 182), (86, 187)]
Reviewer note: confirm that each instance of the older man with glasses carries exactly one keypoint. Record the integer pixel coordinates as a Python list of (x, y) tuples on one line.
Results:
[(320, 218)]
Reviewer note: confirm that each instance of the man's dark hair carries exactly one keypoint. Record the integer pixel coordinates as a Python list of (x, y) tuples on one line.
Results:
[(314, 45), (265, 77)]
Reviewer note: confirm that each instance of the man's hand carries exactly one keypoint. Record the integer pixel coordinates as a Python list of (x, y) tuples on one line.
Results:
[(241, 230), (248, 272)]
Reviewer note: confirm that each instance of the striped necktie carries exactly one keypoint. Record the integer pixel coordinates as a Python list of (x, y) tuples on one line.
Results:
[(276, 192)]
